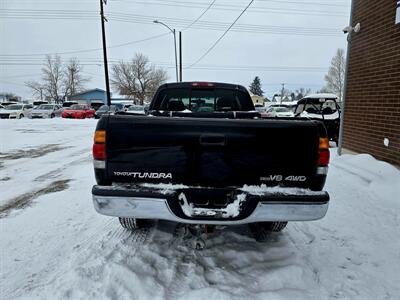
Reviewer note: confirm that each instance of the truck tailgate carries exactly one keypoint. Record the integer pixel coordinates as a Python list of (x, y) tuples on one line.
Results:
[(211, 152)]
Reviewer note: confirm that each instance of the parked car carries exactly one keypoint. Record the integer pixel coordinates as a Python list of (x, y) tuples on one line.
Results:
[(146, 108), (279, 112), (39, 102), (322, 107), (68, 103), (104, 109), (6, 103), (16, 111), (47, 111), (136, 109), (96, 104), (78, 111), (262, 110), (119, 107), (200, 167)]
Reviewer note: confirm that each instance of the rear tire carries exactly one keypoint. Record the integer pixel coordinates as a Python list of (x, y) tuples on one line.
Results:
[(261, 231), (277, 226), (52, 116), (134, 224)]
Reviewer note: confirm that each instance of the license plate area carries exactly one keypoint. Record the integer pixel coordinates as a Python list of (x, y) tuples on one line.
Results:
[(211, 198), (212, 203)]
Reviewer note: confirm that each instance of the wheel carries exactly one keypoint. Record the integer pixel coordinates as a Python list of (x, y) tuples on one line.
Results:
[(20, 116), (52, 116), (277, 226), (261, 231), (83, 117), (134, 224)]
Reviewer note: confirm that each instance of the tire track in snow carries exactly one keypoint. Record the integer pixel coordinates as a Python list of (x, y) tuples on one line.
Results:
[(56, 171), (111, 247), (26, 199), (53, 270), (33, 152)]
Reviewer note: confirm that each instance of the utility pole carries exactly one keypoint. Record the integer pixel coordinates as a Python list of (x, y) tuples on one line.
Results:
[(282, 91), (176, 58), (349, 35), (103, 32), (180, 56)]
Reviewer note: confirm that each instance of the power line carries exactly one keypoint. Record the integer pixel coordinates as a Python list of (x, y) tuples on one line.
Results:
[(233, 7), (221, 26), (92, 49), (222, 36), (204, 12), (214, 67)]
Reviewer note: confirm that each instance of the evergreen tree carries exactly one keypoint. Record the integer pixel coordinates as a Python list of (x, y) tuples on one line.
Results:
[(255, 87)]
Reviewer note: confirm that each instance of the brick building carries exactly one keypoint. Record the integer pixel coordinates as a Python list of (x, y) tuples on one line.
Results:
[(372, 109)]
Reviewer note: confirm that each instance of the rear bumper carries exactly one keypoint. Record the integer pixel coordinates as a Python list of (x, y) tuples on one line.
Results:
[(273, 206)]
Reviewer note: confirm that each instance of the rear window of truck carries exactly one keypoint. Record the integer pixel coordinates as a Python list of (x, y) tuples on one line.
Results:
[(202, 100)]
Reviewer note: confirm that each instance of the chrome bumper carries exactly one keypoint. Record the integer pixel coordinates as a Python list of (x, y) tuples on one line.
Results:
[(158, 208)]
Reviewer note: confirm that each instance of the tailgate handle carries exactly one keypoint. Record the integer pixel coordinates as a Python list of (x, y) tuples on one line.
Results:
[(212, 140)]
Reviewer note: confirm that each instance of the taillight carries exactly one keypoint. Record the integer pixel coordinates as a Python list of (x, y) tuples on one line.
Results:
[(99, 151), (99, 146), (323, 158), (323, 152)]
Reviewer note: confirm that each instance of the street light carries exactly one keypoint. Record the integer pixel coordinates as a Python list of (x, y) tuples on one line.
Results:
[(176, 56)]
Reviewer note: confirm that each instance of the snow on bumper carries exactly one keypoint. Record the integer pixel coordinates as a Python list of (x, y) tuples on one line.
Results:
[(273, 206)]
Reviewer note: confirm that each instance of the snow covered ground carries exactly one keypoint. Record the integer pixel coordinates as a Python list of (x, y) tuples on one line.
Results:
[(54, 245)]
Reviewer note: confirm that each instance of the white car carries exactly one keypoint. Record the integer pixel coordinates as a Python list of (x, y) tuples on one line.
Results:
[(136, 109), (16, 111), (279, 112), (46, 111)]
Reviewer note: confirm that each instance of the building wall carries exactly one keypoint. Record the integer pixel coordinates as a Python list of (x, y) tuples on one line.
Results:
[(372, 111), (90, 96)]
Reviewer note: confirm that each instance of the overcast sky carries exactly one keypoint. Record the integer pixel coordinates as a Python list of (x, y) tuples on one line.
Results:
[(281, 41)]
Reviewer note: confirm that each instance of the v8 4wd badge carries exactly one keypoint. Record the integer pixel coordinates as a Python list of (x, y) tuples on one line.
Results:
[(279, 178)]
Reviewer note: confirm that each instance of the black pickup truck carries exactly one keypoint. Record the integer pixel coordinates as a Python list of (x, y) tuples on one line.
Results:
[(203, 155)]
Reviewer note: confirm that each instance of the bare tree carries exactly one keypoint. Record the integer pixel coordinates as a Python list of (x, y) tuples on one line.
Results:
[(137, 79), (37, 88), (335, 77), (73, 81), (52, 78), (301, 93), (58, 79)]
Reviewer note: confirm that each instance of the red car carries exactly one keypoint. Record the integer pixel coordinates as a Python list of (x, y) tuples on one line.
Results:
[(78, 111)]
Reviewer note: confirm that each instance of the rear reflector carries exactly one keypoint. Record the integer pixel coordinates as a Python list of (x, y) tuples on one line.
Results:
[(202, 84), (323, 158), (100, 136), (99, 151), (322, 170), (99, 164)]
